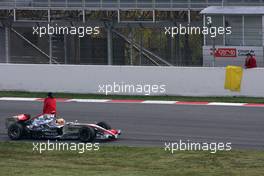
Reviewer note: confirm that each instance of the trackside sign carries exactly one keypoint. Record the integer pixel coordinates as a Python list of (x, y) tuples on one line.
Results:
[(226, 52), (231, 55)]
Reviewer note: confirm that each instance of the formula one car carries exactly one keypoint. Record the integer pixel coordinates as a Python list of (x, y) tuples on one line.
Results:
[(46, 126)]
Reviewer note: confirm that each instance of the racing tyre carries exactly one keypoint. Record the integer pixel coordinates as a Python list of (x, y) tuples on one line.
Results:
[(86, 134), (104, 125), (15, 131)]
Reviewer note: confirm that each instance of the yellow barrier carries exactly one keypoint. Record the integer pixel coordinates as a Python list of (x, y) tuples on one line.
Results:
[(233, 78)]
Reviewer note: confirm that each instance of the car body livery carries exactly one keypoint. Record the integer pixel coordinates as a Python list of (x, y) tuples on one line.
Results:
[(46, 126)]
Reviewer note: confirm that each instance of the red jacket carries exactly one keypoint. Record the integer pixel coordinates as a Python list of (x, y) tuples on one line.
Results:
[(49, 106), (251, 62)]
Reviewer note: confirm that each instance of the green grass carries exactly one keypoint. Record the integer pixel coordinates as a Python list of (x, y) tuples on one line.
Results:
[(18, 158), (96, 96)]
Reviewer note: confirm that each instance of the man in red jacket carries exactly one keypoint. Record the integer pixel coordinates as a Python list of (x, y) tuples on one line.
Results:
[(250, 61), (49, 105)]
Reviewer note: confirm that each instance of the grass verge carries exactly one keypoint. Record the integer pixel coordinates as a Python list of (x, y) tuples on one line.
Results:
[(18, 158), (96, 96)]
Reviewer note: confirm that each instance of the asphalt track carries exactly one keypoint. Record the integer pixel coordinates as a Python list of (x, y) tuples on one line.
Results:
[(154, 124)]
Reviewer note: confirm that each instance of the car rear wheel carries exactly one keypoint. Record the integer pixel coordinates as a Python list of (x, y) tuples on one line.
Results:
[(86, 134), (104, 125), (15, 131)]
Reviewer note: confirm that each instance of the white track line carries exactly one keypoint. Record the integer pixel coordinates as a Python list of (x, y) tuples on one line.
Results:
[(17, 99), (226, 104), (89, 100), (159, 102)]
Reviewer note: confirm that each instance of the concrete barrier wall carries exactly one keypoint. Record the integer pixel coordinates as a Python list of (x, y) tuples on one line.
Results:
[(86, 79)]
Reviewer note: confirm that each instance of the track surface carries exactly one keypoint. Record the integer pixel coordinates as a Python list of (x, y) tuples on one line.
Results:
[(153, 125)]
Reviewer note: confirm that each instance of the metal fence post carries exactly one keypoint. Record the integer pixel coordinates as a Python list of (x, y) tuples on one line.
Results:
[(224, 25), (65, 49), (14, 11), (7, 44), (263, 36), (119, 5), (189, 4), (50, 49), (109, 45)]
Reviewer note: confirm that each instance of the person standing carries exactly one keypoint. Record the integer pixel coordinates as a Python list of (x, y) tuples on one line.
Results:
[(250, 61), (49, 106)]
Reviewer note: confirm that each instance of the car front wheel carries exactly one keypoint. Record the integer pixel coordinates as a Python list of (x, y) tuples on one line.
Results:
[(86, 134)]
